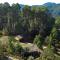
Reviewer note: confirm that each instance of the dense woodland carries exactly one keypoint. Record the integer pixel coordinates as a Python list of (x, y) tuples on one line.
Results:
[(35, 21)]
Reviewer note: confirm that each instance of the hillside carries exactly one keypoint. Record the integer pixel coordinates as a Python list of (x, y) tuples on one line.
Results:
[(30, 32), (53, 8)]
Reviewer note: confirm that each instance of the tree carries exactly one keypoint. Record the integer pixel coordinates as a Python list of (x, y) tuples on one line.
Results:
[(16, 21)]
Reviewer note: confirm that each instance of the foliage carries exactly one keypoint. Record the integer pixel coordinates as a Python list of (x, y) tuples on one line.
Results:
[(18, 48), (11, 48), (48, 54), (38, 41), (17, 21), (57, 21)]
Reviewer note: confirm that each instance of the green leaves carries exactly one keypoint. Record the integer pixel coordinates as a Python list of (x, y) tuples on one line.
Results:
[(38, 41), (47, 54)]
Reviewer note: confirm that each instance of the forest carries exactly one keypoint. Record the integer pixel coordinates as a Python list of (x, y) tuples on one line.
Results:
[(29, 33)]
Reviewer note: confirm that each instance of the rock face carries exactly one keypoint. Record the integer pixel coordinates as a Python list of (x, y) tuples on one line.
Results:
[(23, 38), (31, 50), (18, 37)]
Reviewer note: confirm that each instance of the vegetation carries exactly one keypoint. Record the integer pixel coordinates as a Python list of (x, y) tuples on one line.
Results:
[(38, 41), (33, 23), (53, 8)]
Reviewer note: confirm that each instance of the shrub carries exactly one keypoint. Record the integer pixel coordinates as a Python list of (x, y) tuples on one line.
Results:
[(38, 41), (48, 54), (14, 47), (18, 48), (11, 48)]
